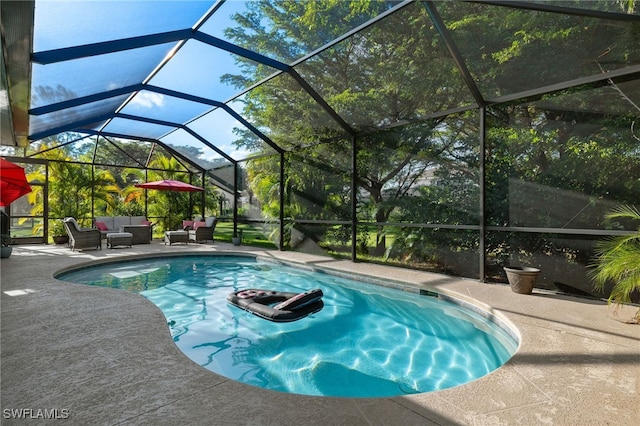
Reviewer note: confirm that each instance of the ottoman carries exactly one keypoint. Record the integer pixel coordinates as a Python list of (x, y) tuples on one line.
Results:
[(119, 239), (176, 237)]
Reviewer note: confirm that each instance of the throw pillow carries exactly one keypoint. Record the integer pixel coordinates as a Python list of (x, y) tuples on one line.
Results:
[(198, 224), (300, 300), (102, 226)]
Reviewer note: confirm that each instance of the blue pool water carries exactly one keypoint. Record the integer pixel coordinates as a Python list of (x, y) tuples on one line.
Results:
[(368, 341)]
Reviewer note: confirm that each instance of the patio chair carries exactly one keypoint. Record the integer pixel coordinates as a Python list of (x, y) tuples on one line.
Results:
[(203, 231), (82, 238)]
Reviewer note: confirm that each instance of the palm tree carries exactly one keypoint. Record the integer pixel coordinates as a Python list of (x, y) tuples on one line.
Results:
[(169, 207), (618, 261), (71, 188)]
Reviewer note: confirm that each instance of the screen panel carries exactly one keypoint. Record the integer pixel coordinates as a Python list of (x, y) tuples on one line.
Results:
[(564, 161), (510, 50), (99, 21), (394, 71)]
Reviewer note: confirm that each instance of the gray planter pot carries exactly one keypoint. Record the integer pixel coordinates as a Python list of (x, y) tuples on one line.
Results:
[(5, 251), (237, 239), (522, 278)]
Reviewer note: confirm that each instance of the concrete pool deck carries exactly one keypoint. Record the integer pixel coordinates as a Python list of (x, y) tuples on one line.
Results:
[(99, 356)]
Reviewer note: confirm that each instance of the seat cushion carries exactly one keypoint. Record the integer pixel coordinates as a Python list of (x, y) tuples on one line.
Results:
[(72, 223), (107, 220), (176, 233), (113, 235), (137, 220), (118, 221)]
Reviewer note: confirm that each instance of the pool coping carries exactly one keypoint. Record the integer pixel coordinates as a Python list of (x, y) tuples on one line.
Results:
[(577, 363)]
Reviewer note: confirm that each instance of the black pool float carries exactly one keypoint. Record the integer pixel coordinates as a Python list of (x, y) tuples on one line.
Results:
[(289, 306)]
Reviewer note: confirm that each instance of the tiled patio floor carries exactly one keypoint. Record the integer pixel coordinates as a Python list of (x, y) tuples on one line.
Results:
[(106, 357)]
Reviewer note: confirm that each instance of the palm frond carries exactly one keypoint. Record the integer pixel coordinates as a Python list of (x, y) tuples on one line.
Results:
[(617, 260)]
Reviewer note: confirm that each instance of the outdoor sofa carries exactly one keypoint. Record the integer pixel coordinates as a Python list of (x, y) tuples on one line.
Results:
[(139, 226)]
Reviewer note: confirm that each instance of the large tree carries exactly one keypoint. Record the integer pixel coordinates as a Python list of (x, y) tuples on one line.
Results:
[(72, 186), (380, 78), (383, 81)]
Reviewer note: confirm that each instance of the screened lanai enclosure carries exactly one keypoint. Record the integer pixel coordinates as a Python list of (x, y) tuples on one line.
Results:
[(457, 136)]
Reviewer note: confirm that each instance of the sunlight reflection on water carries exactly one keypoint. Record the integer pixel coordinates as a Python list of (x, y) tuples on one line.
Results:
[(368, 341)]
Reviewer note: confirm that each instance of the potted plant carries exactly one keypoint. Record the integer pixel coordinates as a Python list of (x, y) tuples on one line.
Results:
[(58, 232), (522, 279), (6, 249), (618, 261)]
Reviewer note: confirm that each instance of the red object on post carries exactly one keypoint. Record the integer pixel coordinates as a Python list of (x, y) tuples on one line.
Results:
[(169, 185), (13, 182)]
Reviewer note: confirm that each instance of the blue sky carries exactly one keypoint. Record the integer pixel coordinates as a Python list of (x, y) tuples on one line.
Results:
[(195, 69)]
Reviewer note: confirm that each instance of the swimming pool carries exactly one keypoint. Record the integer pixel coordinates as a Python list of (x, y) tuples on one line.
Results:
[(367, 341)]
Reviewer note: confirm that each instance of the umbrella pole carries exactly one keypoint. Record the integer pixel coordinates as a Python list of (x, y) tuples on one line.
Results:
[(235, 199), (146, 201), (202, 197)]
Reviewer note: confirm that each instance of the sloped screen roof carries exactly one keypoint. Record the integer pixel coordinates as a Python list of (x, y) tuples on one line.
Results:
[(190, 73)]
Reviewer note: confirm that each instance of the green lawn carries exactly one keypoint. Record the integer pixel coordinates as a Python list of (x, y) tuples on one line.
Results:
[(252, 235)]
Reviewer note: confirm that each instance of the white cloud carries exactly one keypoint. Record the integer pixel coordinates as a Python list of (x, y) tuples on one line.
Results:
[(148, 100)]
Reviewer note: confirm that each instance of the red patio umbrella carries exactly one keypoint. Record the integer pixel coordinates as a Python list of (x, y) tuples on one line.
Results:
[(13, 182), (169, 185)]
